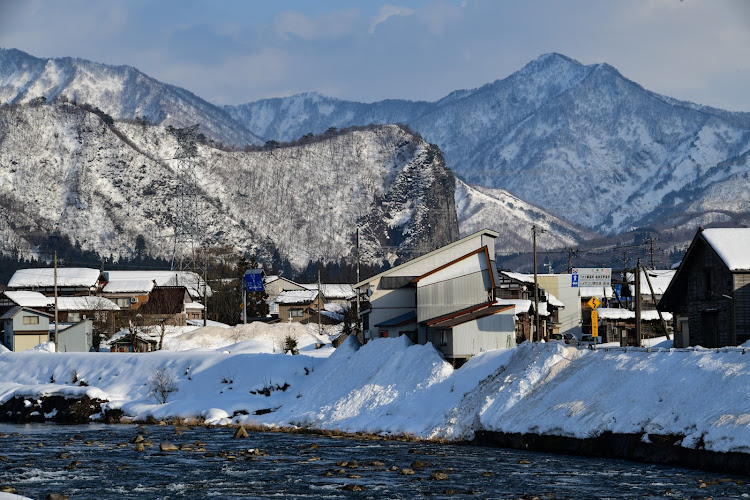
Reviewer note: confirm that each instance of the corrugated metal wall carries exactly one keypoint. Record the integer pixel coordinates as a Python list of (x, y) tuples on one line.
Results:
[(452, 295)]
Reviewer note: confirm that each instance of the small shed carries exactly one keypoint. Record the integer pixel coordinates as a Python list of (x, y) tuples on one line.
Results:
[(77, 338)]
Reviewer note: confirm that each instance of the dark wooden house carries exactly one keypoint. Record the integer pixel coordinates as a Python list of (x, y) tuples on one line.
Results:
[(710, 292)]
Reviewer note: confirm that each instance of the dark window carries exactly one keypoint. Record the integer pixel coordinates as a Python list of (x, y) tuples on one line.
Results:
[(707, 283)]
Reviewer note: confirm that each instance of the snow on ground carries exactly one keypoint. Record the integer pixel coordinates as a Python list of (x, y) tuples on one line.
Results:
[(255, 337), (391, 386)]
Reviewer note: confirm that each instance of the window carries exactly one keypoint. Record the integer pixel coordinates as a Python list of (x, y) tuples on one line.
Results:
[(74, 317), (443, 338), (707, 281), (31, 320), (123, 301), (295, 313)]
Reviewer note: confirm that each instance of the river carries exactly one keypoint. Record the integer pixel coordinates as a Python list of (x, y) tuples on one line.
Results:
[(99, 461)]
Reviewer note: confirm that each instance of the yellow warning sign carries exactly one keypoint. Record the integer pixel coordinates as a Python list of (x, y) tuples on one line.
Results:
[(594, 303)]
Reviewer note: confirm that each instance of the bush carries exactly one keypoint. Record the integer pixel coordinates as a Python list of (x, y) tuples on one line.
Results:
[(290, 345), (162, 383)]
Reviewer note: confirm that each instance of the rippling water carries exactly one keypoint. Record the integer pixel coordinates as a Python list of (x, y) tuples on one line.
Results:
[(97, 461)]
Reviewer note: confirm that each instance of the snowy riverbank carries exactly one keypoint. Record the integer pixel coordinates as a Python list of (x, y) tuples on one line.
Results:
[(392, 387)]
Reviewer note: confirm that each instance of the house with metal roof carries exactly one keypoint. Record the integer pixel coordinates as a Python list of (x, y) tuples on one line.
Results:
[(446, 297), (710, 292)]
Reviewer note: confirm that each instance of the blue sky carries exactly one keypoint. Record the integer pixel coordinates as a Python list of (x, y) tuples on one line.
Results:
[(231, 52)]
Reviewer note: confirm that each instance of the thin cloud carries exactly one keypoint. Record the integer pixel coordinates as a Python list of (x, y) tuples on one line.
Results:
[(386, 12)]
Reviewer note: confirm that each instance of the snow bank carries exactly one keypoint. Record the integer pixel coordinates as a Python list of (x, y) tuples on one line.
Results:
[(390, 386), (227, 382)]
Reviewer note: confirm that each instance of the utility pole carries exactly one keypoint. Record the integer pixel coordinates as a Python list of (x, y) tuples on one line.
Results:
[(536, 290), (638, 302), (205, 286), (359, 330), (651, 251), (653, 298), (56, 329), (572, 252)]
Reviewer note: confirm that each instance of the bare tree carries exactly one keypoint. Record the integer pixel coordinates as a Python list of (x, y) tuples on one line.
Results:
[(162, 383)]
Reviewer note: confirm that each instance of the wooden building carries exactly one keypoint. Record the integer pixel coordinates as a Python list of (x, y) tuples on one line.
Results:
[(166, 305), (710, 292), (299, 306)]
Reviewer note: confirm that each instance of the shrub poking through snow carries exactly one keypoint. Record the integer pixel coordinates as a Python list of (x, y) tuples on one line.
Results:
[(162, 383), (290, 345)]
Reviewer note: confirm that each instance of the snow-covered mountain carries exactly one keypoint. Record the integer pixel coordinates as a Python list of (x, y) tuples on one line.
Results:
[(582, 142), (63, 168), (480, 207), (120, 91)]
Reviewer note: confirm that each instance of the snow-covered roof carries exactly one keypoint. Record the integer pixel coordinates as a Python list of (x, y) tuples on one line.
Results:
[(543, 310), (129, 286), (29, 299), (297, 297), (334, 291), (45, 277), (89, 303), (596, 291), (522, 305), (190, 280), (554, 301), (618, 313), (194, 305), (16, 309), (523, 278), (732, 245), (660, 280)]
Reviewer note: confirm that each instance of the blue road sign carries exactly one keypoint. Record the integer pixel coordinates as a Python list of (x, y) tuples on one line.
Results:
[(574, 280), (254, 280)]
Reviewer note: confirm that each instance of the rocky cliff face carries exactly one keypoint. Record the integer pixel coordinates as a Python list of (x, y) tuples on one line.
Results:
[(63, 168)]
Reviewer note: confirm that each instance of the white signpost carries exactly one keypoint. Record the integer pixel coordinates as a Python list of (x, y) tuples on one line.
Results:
[(591, 276)]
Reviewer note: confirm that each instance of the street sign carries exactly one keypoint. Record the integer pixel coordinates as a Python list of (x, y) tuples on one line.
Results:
[(254, 280), (594, 323), (591, 276), (594, 303)]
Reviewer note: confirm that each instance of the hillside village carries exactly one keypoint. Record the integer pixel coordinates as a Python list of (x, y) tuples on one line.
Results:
[(454, 298)]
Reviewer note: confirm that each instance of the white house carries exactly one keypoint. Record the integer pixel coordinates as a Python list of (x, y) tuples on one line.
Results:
[(24, 328)]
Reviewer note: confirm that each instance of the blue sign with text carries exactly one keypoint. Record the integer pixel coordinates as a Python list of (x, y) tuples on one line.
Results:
[(254, 280)]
